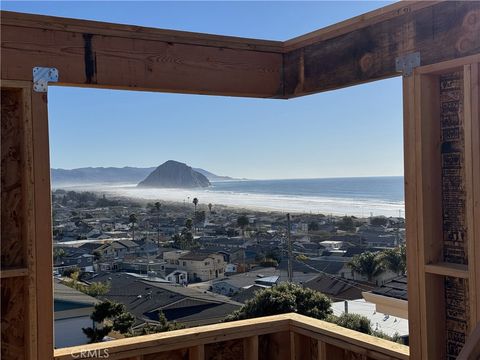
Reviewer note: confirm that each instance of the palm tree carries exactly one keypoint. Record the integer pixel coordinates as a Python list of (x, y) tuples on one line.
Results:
[(368, 264), (157, 207), (132, 219), (393, 260), (242, 221), (210, 207), (195, 203)]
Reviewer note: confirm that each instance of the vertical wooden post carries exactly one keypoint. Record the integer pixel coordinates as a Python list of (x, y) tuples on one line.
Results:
[(250, 348), (196, 352), (410, 139), (442, 187), (43, 224)]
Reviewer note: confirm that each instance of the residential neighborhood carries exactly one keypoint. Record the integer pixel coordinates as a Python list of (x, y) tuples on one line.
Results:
[(196, 266)]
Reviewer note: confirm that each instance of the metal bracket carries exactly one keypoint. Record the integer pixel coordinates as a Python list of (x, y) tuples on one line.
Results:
[(406, 63), (42, 76)]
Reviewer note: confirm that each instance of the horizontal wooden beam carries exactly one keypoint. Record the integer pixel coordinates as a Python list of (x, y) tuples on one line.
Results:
[(277, 326), (355, 51), (365, 51), (120, 57), (16, 272), (139, 32)]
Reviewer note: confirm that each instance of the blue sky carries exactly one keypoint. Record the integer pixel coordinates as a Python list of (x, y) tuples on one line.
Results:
[(350, 132)]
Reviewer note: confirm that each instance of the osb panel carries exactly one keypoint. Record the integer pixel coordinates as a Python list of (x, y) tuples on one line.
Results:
[(181, 354), (225, 350), (274, 346), (12, 249), (455, 239), (13, 315)]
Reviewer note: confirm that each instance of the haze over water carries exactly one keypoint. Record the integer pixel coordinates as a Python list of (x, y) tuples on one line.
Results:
[(338, 196)]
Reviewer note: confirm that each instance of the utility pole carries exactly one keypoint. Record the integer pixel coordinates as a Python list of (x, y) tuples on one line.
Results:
[(289, 239)]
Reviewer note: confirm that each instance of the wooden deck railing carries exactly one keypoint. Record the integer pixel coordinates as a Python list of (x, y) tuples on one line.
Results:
[(282, 337)]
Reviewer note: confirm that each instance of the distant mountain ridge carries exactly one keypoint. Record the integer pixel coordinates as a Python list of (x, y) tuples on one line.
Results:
[(113, 175), (174, 174), (212, 177)]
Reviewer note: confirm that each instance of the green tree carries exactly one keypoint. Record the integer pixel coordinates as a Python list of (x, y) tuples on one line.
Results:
[(162, 326), (378, 221), (210, 207), (394, 260), (185, 240), (346, 224), (189, 224), (313, 226), (58, 253), (123, 322), (284, 298), (242, 222), (368, 264), (195, 203), (200, 217), (97, 289), (97, 255), (157, 208), (353, 321), (132, 219), (109, 315)]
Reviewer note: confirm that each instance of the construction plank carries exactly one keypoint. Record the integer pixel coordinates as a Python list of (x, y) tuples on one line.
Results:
[(139, 32), (440, 32), (102, 61), (43, 224)]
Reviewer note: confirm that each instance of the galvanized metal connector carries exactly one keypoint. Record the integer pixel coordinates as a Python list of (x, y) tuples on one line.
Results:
[(42, 76), (406, 63)]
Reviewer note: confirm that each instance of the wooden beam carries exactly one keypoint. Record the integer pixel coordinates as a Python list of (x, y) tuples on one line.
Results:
[(43, 225), (440, 31), (87, 56), (139, 32), (250, 348)]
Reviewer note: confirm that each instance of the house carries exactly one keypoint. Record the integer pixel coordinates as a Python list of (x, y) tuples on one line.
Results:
[(144, 299), (392, 326), (337, 288), (200, 266), (72, 310), (391, 297), (119, 248)]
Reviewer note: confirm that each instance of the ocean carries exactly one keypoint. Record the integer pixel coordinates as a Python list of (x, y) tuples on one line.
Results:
[(361, 196)]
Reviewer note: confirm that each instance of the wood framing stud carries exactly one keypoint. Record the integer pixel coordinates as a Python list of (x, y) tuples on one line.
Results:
[(42, 76)]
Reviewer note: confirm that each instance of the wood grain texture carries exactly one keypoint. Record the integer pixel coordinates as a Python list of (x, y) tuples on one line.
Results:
[(250, 348), (440, 32), (43, 225), (89, 59), (180, 354), (411, 218), (139, 32)]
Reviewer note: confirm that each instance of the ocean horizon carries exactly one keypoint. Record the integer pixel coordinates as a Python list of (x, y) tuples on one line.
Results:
[(358, 196)]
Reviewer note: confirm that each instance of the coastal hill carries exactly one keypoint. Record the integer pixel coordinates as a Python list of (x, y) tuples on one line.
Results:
[(113, 175), (174, 174)]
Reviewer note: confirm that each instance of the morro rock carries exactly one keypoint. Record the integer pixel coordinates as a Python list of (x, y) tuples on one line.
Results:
[(174, 174)]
